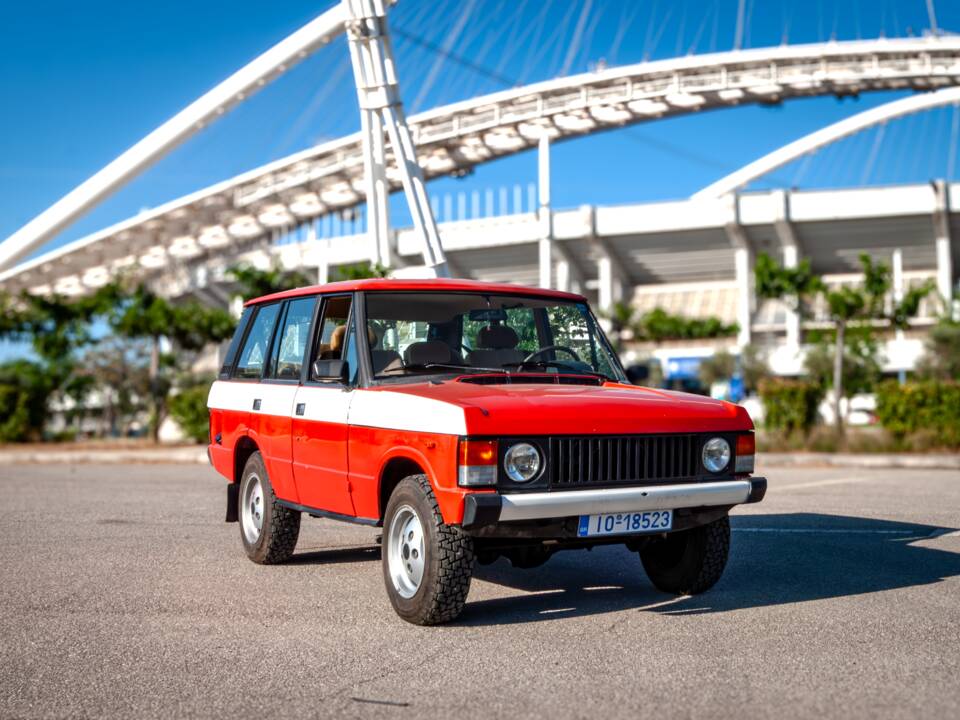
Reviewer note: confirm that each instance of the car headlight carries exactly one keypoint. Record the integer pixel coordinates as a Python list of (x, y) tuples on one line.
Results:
[(522, 462), (716, 454)]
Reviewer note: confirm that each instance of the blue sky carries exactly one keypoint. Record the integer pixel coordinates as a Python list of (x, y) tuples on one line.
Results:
[(80, 82)]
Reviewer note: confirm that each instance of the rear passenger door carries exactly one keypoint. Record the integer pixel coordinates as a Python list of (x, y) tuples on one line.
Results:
[(320, 430), (272, 416)]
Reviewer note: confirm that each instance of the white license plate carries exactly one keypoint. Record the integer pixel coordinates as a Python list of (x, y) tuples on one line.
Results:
[(649, 521)]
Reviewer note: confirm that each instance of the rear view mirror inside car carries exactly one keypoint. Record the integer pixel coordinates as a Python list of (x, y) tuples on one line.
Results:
[(488, 315)]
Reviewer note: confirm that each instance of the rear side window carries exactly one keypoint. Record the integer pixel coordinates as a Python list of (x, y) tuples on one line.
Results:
[(253, 356), (291, 343), (231, 356)]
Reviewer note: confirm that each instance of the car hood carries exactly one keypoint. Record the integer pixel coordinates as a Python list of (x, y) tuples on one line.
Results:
[(612, 408)]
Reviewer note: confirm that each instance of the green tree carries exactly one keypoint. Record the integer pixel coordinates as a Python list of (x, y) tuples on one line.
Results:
[(658, 325), (861, 360), (57, 328), (252, 282), (722, 365), (188, 406), (621, 317), (719, 366), (60, 328), (188, 327), (120, 368), (753, 367), (846, 306), (25, 389), (941, 359), (360, 271)]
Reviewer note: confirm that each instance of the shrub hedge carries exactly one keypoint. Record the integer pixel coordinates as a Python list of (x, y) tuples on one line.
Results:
[(24, 391), (926, 406), (189, 408), (790, 406)]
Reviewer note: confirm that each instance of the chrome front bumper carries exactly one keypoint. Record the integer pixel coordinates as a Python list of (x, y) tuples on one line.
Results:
[(488, 508)]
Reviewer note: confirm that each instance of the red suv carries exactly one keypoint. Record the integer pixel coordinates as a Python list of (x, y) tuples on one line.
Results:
[(469, 420)]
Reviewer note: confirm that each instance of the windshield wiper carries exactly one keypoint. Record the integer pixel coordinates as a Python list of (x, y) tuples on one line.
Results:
[(562, 366), (431, 366)]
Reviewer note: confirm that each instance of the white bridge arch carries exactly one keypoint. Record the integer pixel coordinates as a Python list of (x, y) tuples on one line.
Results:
[(229, 217)]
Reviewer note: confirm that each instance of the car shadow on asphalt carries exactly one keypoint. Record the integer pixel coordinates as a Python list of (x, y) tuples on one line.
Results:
[(325, 556), (774, 560)]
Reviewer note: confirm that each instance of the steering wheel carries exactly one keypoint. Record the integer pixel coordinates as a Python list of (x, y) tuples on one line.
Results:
[(548, 348)]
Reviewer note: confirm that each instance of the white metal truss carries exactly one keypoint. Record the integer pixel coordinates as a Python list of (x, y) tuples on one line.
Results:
[(228, 217), (232, 91), (825, 136), (381, 111)]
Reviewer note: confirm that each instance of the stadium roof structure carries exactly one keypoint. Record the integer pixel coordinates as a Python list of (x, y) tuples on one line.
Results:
[(228, 219)]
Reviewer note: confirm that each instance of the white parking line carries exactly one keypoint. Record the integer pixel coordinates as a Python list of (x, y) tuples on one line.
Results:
[(817, 483), (826, 531), (944, 533), (938, 533), (663, 603)]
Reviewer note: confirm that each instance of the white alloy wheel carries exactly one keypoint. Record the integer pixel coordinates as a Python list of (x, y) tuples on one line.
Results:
[(252, 509), (405, 546)]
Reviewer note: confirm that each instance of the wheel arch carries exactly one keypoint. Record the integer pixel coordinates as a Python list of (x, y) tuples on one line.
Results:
[(242, 450), (394, 470)]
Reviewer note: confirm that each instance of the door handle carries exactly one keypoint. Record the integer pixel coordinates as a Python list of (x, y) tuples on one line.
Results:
[(301, 408), (256, 404)]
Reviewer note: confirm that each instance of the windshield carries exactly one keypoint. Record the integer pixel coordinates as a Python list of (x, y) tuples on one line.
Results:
[(416, 333)]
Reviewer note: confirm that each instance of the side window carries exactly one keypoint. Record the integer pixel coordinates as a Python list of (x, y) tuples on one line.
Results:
[(257, 345), (291, 341), (350, 355), (332, 332), (234, 347)]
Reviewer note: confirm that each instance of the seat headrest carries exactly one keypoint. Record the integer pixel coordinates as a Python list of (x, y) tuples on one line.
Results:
[(498, 337), (336, 339), (384, 359), (430, 351)]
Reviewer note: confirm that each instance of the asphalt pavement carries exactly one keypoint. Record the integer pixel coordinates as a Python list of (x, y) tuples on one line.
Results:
[(124, 594)]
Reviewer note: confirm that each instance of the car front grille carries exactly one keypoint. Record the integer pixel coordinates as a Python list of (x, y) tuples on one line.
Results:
[(604, 460)]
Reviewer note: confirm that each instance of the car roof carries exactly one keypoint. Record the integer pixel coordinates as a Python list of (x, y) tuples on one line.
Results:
[(426, 285)]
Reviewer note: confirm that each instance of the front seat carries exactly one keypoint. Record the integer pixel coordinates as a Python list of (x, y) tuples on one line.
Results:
[(427, 352), (498, 347), (381, 359)]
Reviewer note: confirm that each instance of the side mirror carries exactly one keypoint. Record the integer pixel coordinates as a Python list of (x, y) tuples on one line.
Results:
[(330, 370)]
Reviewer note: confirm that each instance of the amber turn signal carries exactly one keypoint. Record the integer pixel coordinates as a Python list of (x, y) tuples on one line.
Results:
[(478, 463), (746, 452)]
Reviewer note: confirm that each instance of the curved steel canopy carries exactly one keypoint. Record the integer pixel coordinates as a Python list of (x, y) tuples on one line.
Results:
[(229, 216), (830, 134)]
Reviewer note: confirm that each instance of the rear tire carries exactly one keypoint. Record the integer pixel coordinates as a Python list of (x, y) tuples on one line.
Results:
[(427, 565), (268, 530), (690, 561)]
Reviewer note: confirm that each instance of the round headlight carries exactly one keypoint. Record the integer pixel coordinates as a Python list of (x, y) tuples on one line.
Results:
[(522, 462), (716, 454)]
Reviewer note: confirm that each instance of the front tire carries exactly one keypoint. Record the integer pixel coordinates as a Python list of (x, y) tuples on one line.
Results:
[(427, 565), (268, 530), (688, 562)]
